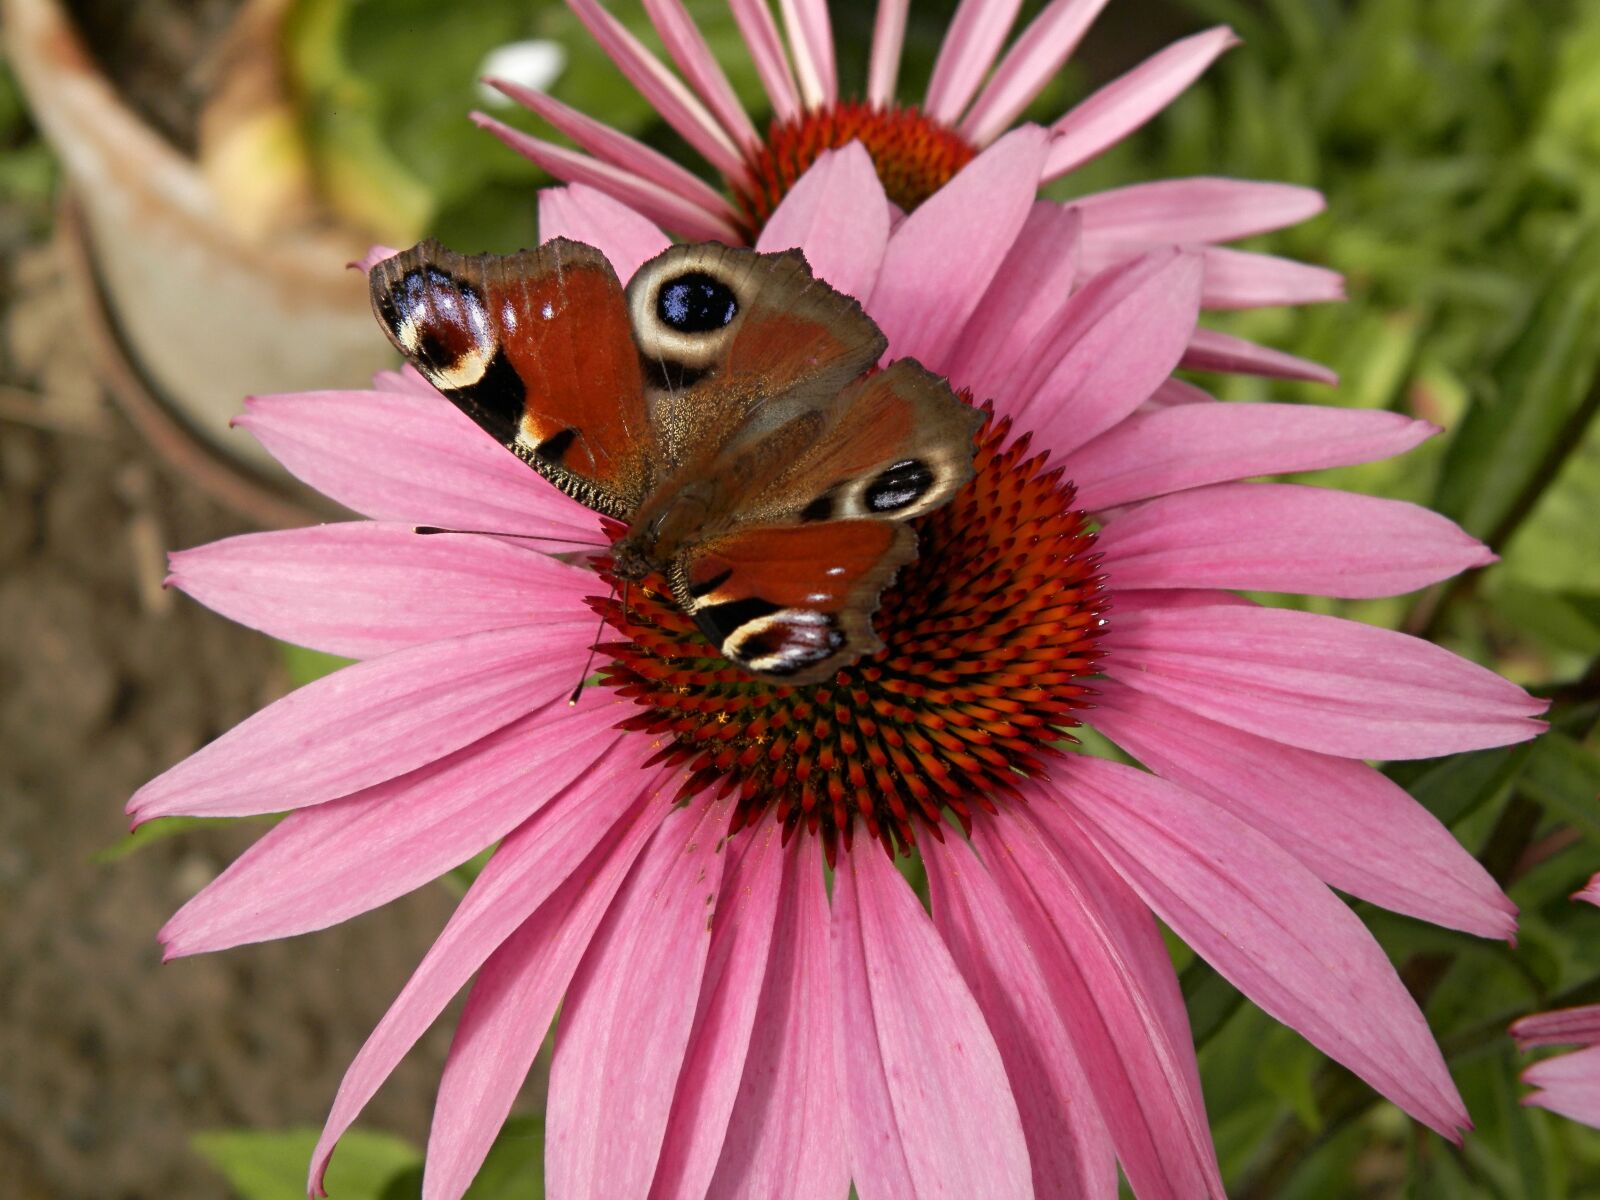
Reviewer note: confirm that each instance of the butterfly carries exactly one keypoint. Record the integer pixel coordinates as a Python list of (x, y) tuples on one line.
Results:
[(723, 405)]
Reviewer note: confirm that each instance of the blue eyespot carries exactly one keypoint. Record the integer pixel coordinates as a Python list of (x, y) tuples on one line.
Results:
[(696, 303), (899, 486)]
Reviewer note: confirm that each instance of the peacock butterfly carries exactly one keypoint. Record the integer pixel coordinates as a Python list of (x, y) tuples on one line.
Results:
[(724, 406)]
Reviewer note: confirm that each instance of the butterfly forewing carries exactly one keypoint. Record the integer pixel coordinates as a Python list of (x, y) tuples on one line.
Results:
[(737, 344), (537, 349)]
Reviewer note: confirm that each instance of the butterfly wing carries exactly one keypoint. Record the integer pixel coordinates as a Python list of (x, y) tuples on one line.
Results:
[(536, 348), (791, 593), (792, 603), (736, 344), (900, 445)]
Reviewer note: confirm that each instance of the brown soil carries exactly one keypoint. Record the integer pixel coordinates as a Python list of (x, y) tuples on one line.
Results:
[(110, 1061)]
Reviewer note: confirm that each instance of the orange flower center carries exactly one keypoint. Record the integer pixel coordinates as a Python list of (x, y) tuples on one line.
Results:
[(988, 637), (915, 155)]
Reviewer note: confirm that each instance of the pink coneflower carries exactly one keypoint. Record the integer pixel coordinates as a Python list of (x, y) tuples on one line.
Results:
[(980, 86), (1568, 1084), (729, 1027)]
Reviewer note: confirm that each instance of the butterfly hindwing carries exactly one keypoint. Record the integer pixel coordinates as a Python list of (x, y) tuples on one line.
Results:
[(793, 603), (536, 348), (900, 446)]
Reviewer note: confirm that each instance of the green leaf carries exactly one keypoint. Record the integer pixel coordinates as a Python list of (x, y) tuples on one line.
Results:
[(514, 1168), (1522, 424), (155, 831), (1288, 1067), (1210, 998), (1456, 787), (272, 1166), (1565, 621), (306, 665), (1541, 554), (1564, 776)]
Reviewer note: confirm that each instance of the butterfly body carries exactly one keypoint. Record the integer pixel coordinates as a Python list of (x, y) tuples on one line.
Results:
[(724, 405)]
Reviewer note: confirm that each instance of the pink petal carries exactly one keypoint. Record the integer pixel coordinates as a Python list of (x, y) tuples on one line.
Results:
[(1030, 64), (375, 720), (714, 1063), (1068, 1146), (1267, 925), (1357, 830), (1571, 1083), (1284, 537), (666, 208), (579, 838), (407, 381), (1241, 279), (1318, 682), (888, 35), (1030, 289), (590, 216), (913, 1056), (1590, 892), (512, 1003), (928, 288), (1560, 1027), (1115, 992), (811, 44), (629, 1012), (1167, 599), (1108, 350), (688, 48), (1202, 209), (784, 1137), (838, 216), (1155, 453), (388, 839), (766, 51), (373, 256), (362, 589), (1170, 393), (618, 149), (1213, 351), (432, 466), (971, 43), (666, 93), (1127, 102)]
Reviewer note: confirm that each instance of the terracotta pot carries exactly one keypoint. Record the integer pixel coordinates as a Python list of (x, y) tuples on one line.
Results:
[(206, 301)]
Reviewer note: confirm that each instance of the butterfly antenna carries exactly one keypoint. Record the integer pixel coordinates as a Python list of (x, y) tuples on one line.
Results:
[(589, 662), (529, 537)]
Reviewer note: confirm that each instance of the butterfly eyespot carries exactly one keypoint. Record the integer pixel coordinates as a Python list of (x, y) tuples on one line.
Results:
[(441, 322), (785, 642), (696, 303), (899, 486)]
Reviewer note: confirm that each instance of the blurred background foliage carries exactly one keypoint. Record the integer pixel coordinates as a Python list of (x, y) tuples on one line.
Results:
[(1458, 143)]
